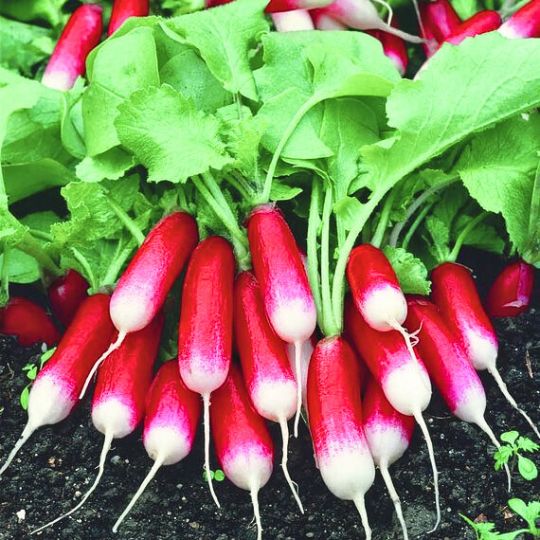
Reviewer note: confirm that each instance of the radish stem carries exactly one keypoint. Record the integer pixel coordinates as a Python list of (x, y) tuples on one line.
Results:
[(314, 223), (130, 225), (329, 325)]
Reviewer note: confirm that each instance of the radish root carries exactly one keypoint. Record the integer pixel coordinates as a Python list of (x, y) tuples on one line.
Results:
[(254, 491), (25, 435), (395, 497), (285, 436), (206, 425), (360, 504), (298, 370), (411, 339)]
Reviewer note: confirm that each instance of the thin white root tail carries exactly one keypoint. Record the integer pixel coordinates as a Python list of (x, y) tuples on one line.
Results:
[(390, 10), (399, 33), (104, 451), (149, 477), (360, 504), (298, 370), (112, 347), (206, 425), (425, 432), (285, 436), (395, 498), (25, 435), (504, 389), (256, 512), (411, 338)]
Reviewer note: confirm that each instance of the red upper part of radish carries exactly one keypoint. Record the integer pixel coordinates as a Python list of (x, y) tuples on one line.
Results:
[(394, 48), (479, 23), (511, 292), (124, 9), (144, 285), (454, 293), (403, 378), (123, 381), (241, 438), (265, 364), (375, 288), (524, 23), (439, 19), (278, 266), (66, 295), (335, 419), (446, 361), (172, 416), (206, 320), (276, 6), (80, 35), (293, 21), (28, 321)]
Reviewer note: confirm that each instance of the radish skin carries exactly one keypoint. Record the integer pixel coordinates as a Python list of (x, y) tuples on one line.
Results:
[(241, 439), (454, 293), (124, 9), (206, 326), (278, 6), (280, 271), (439, 18), (170, 424), (479, 23), (322, 21), (524, 23), (80, 35), (389, 434), (56, 388), (119, 398), (292, 21), (265, 365), (335, 419), (394, 48), (66, 295)]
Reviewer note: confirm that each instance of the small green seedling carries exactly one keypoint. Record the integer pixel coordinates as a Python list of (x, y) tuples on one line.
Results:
[(512, 452), (529, 512), (31, 371), (218, 475)]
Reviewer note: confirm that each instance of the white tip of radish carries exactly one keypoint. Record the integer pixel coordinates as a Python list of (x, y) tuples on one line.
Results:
[(294, 320), (206, 426), (167, 442), (58, 80), (292, 21), (275, 399), (325, 22), (285, 450), (114, 416), (249, 467), (472, 404), (386, 444), (481, 350), (129, 310), (382, 306), (508, 31), (360, 504), (202, 382), (408, 388), (395, 498)]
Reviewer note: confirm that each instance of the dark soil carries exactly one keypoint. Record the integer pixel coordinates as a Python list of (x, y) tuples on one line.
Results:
[(59, 462)]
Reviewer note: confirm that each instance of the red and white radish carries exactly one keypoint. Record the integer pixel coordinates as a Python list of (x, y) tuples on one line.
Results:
[(80, 35), (389, 434), (402, 377), (123, 10), (292, 21), (265, 365), (148, 278), (66, 294), (170, 424), (394, 48), (280, 271), (28, 321), (206, 326), (454, 293), (242, 440), (57, 386), (278, 6), (524, 23), (323, 21), (449, 367), (335, 420), (119, 398), (439, 19), (479, 23), (511, 292)]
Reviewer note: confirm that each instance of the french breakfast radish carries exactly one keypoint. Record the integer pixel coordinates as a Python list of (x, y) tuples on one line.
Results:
[(278, 6), (242, 440), (292, 21), (389, 434), (449, 367), (454, 293), (148, 278), (323, 21), (80, 35), (479, 23), (402, 377), (394, 48), (119, 397), (524, 23), (57, 386), (511, 292), (281, 273), (123, 10), (66, 294), (439, 18), (28, 321), (265, 365), (170, 424), (335, 421), (206, 326)]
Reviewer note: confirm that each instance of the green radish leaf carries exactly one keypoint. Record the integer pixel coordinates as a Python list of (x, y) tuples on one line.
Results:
[(47, 355), (525, 444), (411, 272), (111, 165), (25, 394), (219, 475), (29, 10), (527, 468), (31, 373), (21, 268), (509, 437)]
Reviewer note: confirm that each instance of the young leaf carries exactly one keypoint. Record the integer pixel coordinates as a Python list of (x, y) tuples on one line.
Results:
[(527, 468), (25, 394), (509, 437), (525, 444)]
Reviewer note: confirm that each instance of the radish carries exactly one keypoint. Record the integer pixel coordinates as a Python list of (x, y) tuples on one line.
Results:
[(80, 35), (362, 15), (269, 379), (28, 321), (277, 6), (66, 294), (335, 420), (292, 21), (305, 356), (439, 19), (524, 23), (144, 285), (322, 21), (454, 293), (57, 386), (170, 424), (402, 377), (394, 48), (280, 271), (241, 439), (511, 292), (479, 23), (205, 330), (119, 398), (124, 9), (389, 434), (449, 367)]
